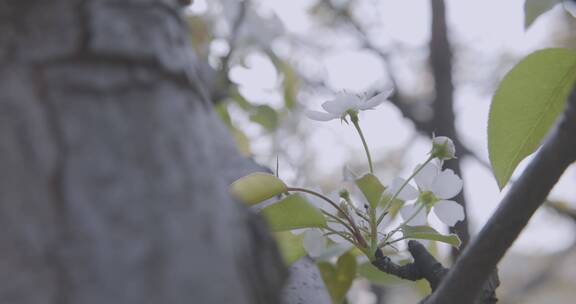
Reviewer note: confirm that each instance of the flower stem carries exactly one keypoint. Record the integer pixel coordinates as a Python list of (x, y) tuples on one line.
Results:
[(354, 119), (389, 202), (353, 227), (403, 223)]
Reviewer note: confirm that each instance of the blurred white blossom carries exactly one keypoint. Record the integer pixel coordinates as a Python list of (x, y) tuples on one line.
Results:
[(345, 104)]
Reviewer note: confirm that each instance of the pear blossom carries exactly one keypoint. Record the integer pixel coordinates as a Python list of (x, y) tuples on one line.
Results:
[(435, 188), (345, 104), (443, 148), (314, 242)]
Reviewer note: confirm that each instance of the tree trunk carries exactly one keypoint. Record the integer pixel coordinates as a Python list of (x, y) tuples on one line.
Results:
[(113, 170)]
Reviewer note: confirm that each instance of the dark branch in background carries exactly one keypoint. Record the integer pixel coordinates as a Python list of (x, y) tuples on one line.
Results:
[(233, 40), (444, 120), (464, 282), (426, 267), (217, 80), (553, 264)]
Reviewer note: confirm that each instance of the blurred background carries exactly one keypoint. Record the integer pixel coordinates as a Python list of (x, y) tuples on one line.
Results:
[(266, 62)]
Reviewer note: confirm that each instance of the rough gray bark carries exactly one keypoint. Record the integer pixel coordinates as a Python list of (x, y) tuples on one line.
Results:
[(305, 284), (113, 171)]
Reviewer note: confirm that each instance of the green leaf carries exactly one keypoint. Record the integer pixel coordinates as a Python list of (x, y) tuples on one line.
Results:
[(371, 187), (293, 212), (266, 117), (338, 278), (526, 105), (290, 246), (222, 111), (257, 187), (428, 233), (290, 80), (242, 141), (377, 277), (290, 84), (534, 8)]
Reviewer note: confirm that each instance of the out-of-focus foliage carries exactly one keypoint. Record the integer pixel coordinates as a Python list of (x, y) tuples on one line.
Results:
[(339, 277), (526, 105), (290, 246), (293, 212)]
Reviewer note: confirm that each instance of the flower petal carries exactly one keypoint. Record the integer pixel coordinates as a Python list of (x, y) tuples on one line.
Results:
[(334, 237), (446, 185), (385, 222), (408, 211), (314, 242), (354, 101), (320, 116), (426, 176), (408, 193), (449, 212), (376, 100), (337, 106)]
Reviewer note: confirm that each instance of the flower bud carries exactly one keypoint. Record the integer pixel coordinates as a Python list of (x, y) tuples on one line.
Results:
[(443, 148), (344, 194)]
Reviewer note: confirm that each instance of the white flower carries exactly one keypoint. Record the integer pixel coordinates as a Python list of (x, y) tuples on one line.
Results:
[(313, 238), (435, 188), (346, 103), (314, 242), (443, 148)]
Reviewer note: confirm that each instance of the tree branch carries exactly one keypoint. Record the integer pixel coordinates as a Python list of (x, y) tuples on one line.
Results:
[(426, 267), (464, 282)]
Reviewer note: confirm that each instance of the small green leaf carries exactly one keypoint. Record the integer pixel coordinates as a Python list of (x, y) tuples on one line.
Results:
[(290, 80), (290, 84), (377, 277), (526, 105), (338, 278), (290, 246), (371, 187), (534, 8), (428, 233), (222, 110), (242, 141), (257, 187), (266, 117), (293, 212)]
